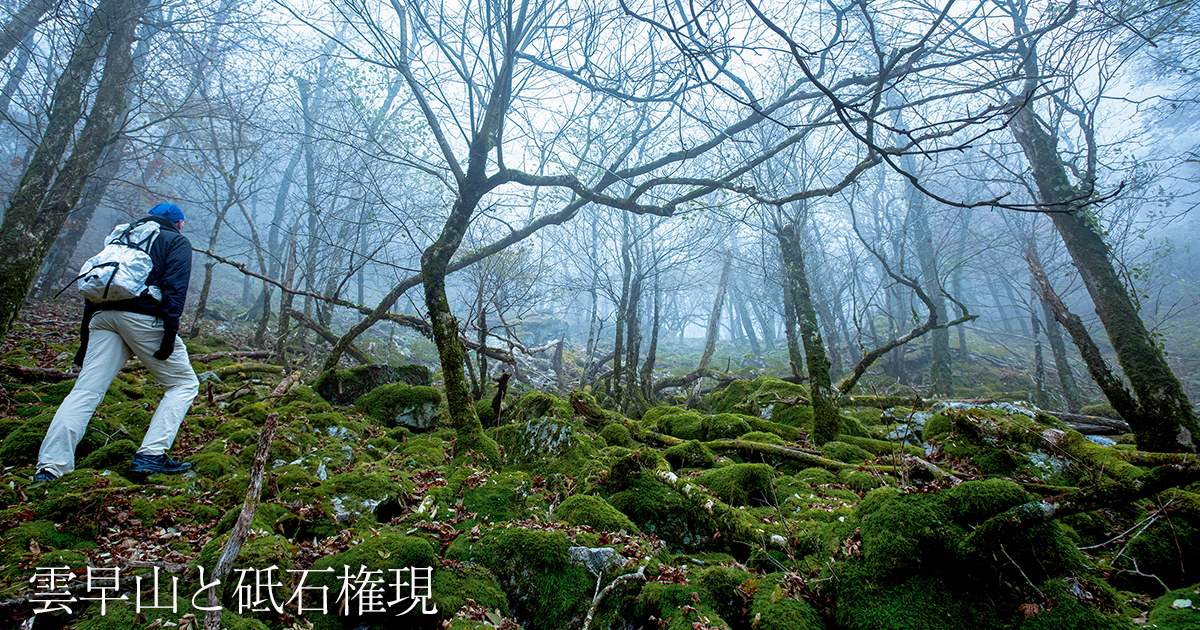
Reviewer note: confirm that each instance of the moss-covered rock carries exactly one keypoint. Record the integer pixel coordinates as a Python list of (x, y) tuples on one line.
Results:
[(115, 456), (774, 610), (499, 497), (384, 554), (343, 387), (545, 591), (741, 484), (1176, 610), (674, 421), (724, 426), (618, 435), (536, 404), (544, 446), (844, 452), (690, 454), (593, 511), (659, 509), (397, 404)]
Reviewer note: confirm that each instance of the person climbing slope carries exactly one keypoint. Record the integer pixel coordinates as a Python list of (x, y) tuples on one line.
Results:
[(151, 261)]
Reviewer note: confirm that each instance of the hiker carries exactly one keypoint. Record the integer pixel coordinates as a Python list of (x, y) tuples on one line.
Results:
[(144, 326)]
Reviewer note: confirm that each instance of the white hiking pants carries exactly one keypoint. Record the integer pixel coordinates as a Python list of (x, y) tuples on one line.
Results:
[(113, 337)]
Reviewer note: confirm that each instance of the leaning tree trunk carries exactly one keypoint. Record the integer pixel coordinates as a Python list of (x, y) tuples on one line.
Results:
[(826, 423), (1071, 392), (38, 209), (22, 24), (434, 263), (1167, 422), (714, 320)]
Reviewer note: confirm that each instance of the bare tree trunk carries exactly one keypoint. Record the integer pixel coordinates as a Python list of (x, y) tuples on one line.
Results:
[(652, 351), (1168, 423), (38, 209), (826, 423), (739, 301), (214, 236), (1114, 390), (1071, 392), (714, 320), (22, 24), (795, 357), (633, 347), (17, 74)]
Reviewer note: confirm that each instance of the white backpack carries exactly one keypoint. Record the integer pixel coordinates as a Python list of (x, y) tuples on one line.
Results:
[(120, 270)]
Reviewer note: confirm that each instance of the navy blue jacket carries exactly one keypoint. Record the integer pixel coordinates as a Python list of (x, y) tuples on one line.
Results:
[(171, 255)]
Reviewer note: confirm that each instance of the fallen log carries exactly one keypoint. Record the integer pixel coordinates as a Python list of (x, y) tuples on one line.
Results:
[(241, 528), (238, 354)]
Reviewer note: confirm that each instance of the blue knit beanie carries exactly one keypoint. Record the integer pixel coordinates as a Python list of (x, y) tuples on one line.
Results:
[(168, 211)]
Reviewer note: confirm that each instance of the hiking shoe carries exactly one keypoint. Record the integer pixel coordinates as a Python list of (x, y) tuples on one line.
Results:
[(155, 464), (44, 475)]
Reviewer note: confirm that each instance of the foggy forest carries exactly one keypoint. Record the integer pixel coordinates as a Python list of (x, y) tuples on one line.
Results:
[(541, 315)]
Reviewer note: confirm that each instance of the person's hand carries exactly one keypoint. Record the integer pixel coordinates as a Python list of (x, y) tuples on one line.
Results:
[(167, 347), (79, 355)]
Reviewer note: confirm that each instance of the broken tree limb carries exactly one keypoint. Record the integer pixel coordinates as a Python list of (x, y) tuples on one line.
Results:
[(786, 452), (240, 354), (1120, 426), (241, 528), (1106, 495), (309, 323), (240, 368), (39, 373), (286, 384)]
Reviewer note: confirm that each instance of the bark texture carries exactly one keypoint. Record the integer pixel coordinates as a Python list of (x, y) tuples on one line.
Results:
[(1167, 422)]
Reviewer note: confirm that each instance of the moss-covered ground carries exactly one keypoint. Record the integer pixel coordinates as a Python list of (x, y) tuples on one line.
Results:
[(919, 515)]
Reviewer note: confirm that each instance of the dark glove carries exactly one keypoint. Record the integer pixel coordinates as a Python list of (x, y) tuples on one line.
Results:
[(79, 355), (167, 347)]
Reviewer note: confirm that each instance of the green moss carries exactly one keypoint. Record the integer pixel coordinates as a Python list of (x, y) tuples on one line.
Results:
[(397, 404), (458, 582), (343, 387), (544, 446), (1104, 410), (763, 438), (691, 454), (500, 497), (385, 553), (937, 427), (674, 421), (213, 465), (545, 591), (537, 404), (724, 426), (775, 611), (116, 457), (593, 511), (1169, 613), (860, 481), (660, 510), (816, 476), (1161, 549), (679, 606), (422, 452), (881, 447), (741, 484), (618, 435), (844, 452)]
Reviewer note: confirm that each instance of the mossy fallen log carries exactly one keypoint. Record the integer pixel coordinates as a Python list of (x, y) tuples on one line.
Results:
[(1116, 493), (243, 368)]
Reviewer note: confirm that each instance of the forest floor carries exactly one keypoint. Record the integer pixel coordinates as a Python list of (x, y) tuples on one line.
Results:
[(923, 514)]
